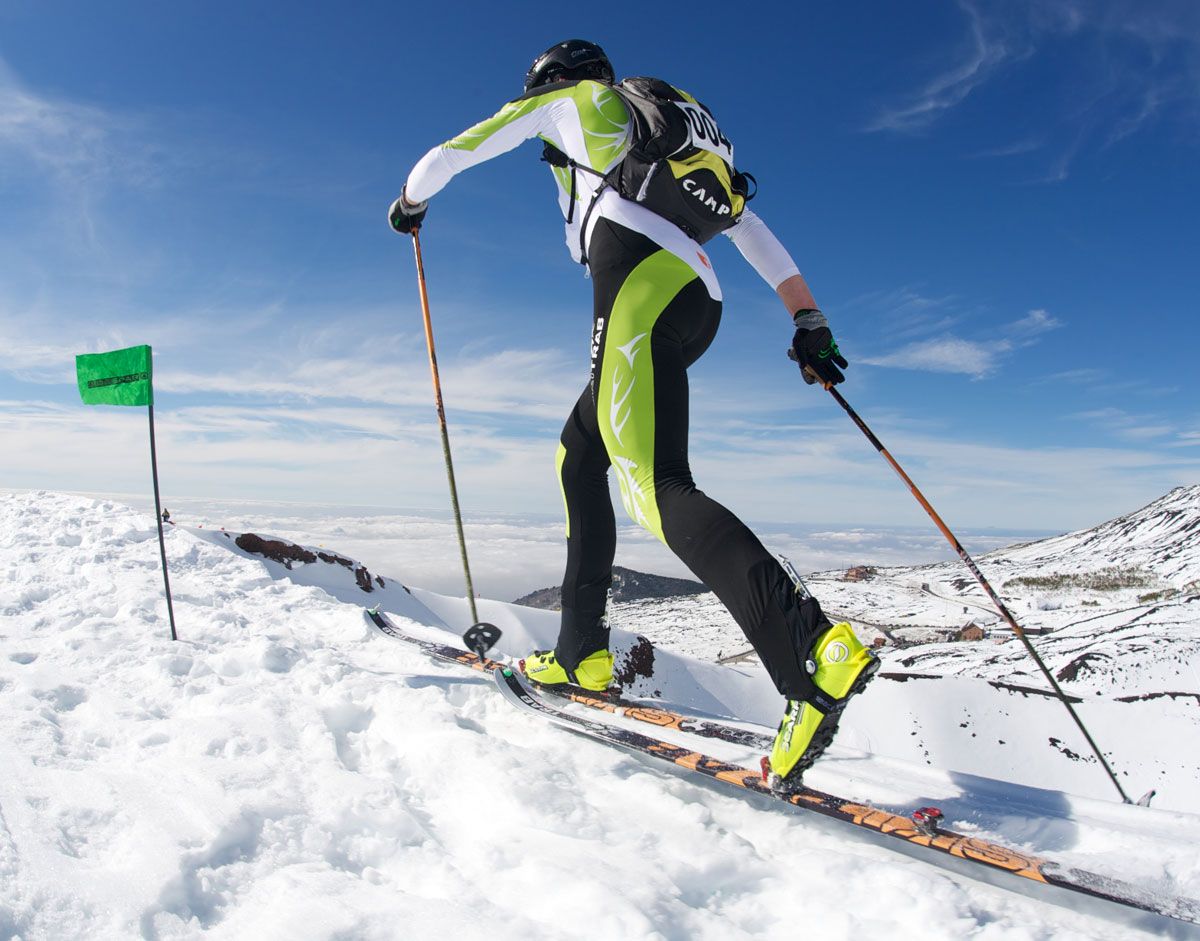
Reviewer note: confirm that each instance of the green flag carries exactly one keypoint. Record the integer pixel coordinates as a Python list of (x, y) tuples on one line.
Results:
[(121, 377)]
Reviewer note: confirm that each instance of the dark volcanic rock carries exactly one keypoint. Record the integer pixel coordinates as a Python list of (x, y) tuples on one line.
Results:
[(1084, 663), (637, 662), (628, 585), (285, 553), (276, 550)]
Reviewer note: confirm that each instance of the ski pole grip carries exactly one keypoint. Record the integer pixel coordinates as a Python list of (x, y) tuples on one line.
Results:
[(814, 379), (809, 376)]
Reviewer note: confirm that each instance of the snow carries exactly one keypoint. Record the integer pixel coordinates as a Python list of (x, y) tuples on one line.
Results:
[(286, 771), (1121, 623)]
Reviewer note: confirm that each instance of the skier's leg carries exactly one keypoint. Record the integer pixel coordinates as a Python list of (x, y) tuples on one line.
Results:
[(660, 321), (591, 535), (656, 330)]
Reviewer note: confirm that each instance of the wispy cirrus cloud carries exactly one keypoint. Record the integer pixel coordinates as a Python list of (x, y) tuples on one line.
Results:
[(1134, 426), (63, 137), (941, 349), (985, 49), (1123, 65), (1037, 321), (74, 153), (946, 354)]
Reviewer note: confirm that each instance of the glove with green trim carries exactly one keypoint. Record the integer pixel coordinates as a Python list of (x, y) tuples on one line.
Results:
[(405, 216), (815, 350)]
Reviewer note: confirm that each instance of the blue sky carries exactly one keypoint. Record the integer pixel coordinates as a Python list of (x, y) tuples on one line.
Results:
[(995, 203)]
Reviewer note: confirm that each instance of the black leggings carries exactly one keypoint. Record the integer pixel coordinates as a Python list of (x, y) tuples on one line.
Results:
[(653, 319)]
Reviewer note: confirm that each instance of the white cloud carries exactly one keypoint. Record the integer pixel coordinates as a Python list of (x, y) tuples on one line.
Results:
[(950, 88), (945, 354), (1035, 322), (66, 138), (978, 358), (1024, 146), (1141, 60), (1128, 426)]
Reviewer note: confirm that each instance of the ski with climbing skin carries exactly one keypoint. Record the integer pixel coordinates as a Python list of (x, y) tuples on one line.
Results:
[(609, 701), (921, 835)]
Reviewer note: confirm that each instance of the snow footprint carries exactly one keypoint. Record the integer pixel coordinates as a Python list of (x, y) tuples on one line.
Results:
[(279, 659), (343, 721), (207, 880), (62, 698), (87, 832)]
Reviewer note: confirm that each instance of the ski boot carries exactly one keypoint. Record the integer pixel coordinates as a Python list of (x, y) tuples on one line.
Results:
[(840, 667), (595, 671)]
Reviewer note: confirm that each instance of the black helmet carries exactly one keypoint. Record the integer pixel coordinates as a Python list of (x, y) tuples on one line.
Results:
[(577, 58)]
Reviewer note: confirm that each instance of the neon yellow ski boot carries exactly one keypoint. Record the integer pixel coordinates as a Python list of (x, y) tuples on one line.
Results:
[(595, 671), (841, 667)]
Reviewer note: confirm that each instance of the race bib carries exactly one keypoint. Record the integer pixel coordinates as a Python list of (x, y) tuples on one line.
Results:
[(704, 131)]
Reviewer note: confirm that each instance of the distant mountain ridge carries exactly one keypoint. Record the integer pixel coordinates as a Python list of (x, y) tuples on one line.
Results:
[(1115, 607), (1162, 538), (628, 585)]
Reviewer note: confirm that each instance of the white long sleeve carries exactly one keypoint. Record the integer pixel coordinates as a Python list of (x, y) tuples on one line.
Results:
[(762, 249)]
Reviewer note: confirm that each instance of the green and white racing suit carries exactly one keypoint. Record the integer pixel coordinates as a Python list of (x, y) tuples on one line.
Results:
[(657, 304)]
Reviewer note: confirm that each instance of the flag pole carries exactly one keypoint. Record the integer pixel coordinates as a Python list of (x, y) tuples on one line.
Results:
[(162, 545)]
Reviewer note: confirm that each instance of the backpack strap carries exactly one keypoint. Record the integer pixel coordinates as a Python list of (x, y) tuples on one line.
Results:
[(556, 158), (741, 184)]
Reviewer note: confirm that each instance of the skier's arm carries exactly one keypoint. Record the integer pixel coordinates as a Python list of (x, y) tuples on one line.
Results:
[(813, 346), (512, 125), (771, 260), (795, 294)]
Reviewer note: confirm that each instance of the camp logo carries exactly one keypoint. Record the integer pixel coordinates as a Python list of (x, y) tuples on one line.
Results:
[(694, 189)]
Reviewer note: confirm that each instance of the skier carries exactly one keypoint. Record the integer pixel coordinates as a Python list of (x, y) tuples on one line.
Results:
[(657, 304)]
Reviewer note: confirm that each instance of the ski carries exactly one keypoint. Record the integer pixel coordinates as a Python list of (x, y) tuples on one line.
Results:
[(921, 834), (607, 701)]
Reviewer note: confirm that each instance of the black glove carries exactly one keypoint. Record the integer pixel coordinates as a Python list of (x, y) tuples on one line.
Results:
[(406, 217), (817, 353)]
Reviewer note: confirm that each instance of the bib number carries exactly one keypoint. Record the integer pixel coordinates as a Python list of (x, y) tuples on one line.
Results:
[(705, 133)]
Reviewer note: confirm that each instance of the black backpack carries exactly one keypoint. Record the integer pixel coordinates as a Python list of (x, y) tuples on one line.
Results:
[(679, 164)]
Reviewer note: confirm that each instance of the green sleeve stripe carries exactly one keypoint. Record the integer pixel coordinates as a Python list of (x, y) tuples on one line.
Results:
[(472, 137)]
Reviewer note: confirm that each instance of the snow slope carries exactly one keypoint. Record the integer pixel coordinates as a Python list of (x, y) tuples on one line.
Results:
[(284, 771), (1116, 609)]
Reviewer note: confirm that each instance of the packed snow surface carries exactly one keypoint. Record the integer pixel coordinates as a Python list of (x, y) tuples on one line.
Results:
[(286, 771)]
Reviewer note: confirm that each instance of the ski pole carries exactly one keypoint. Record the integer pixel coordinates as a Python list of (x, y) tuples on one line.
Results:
[(970, 563), (441, 411)]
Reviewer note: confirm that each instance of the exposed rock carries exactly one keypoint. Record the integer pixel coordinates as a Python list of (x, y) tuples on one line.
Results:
[(277, 550), (285, 553), (636, 662), (1084, 663), (628, 585)]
